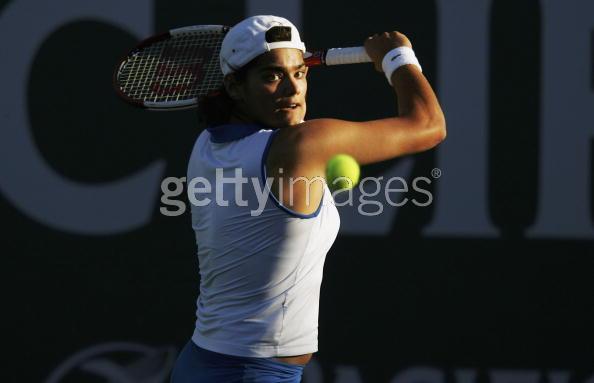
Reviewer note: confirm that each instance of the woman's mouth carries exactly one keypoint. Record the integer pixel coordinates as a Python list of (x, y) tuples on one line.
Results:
[(288, 106)]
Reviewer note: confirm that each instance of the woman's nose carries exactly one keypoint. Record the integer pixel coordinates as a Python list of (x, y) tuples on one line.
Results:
[(292, 86)]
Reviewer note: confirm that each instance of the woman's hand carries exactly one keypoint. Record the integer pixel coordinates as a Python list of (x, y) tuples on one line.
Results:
[(381, 43)]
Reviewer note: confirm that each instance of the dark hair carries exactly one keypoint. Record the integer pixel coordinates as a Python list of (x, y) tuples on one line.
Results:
[(217, 107)]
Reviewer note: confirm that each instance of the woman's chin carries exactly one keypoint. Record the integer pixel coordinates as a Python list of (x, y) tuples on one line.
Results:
[(288, 119)]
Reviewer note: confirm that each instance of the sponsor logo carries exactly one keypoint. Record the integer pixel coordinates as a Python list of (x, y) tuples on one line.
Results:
[(118, 362)]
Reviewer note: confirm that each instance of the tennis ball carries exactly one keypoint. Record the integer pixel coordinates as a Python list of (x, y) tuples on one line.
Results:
[(342, 172)]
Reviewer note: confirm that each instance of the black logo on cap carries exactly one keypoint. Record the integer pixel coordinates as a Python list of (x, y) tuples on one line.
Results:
[(278, 33)]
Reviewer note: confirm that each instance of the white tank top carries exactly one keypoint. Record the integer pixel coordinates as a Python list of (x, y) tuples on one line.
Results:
[(260, 273)]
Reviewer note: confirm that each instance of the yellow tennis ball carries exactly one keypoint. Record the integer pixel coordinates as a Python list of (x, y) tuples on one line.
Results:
[(342, 172)]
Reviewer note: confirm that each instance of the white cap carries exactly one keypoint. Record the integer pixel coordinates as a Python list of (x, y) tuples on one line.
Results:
[(254, 36)]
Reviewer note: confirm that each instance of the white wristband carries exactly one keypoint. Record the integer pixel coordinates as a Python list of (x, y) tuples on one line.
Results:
[(396, 58)]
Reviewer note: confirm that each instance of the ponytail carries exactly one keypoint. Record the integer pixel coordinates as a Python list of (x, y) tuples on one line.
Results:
[(217, 107)]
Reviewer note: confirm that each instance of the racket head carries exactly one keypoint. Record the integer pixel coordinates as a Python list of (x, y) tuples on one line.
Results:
[(171, 71)]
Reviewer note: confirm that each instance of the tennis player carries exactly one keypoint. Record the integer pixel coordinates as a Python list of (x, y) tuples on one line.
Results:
[(257, 311)]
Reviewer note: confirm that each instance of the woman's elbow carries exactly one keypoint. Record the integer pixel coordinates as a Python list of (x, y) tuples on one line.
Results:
[(438, 125), (432, 124), (434, 131)]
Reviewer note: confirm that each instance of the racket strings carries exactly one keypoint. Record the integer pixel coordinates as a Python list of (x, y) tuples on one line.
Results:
[(176, 69)]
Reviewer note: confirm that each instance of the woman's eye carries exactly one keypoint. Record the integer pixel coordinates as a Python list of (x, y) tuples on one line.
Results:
[(273, 77), (300, 74)]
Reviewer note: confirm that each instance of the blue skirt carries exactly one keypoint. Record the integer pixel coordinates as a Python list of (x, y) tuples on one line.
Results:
[(197, 365)]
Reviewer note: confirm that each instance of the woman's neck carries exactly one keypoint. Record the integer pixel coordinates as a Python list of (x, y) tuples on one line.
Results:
[(239, 116)]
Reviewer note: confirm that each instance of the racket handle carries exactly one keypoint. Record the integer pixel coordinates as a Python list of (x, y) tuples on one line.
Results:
[(353, 55)]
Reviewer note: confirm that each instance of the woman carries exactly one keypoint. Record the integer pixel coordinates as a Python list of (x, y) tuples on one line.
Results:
[(261, 259)]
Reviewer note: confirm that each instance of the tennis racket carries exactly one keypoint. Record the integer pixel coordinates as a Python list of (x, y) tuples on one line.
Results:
[(171, 71)]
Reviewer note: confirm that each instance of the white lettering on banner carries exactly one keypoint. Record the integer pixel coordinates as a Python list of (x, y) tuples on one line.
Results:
[(312, 373), (514, 376), (461, 204), (461, 207), (347, 374), (464, 375), (27, 180), (104, 361), (567, 122), (560, 376), (419, 375)]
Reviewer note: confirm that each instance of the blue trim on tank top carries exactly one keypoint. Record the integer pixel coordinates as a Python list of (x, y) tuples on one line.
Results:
[(277, 202), (230, 132)]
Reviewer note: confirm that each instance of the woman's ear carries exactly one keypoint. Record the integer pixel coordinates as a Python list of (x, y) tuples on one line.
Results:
[(233, 87)]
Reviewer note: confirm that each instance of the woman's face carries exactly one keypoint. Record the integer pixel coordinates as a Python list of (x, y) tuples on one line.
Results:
[(273, 92)]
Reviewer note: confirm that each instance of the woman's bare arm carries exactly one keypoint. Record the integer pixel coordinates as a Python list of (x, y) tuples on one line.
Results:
[(304, 150), (419, 127)]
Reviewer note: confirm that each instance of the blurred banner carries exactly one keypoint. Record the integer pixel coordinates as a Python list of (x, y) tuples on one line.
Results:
[(483, 274)]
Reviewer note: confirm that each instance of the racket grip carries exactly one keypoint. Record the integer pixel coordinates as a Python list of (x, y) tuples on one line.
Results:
[(353, 55)]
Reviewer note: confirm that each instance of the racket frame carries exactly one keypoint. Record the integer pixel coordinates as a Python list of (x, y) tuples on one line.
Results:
[(171, 34)]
